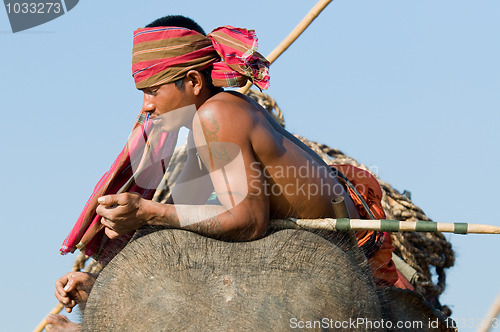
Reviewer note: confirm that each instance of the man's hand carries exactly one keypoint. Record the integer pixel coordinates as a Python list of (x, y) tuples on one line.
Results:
[(73, 288), (122, 213)]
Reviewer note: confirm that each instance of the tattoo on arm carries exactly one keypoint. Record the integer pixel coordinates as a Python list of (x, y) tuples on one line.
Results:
[(210, 130), (210, 127)]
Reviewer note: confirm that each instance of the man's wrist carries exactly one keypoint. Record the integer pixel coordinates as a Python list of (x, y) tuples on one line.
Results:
[(146, 210), (154, 213)]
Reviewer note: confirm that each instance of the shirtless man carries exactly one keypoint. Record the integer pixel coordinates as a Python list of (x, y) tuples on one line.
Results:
[(277, 176)]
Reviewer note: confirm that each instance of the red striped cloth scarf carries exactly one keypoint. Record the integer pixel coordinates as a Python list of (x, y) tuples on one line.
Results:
[(89, 222)]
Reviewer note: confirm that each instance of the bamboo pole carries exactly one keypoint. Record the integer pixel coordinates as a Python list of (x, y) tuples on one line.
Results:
[(487, 322), (292, 36), (384, 225), (57, 309)]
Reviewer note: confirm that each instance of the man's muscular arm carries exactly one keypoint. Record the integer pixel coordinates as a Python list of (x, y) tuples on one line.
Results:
[(126, 212)]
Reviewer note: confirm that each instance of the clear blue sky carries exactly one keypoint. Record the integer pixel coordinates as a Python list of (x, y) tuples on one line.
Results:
[(410, 88)]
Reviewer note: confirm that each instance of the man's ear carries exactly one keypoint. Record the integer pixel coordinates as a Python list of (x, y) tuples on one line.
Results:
[(194, 81)]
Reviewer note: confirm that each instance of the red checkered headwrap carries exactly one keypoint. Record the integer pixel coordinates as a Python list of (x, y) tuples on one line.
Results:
[(165, 54)]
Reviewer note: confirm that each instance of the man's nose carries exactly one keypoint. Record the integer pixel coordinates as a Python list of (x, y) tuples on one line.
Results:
[(147, 104)]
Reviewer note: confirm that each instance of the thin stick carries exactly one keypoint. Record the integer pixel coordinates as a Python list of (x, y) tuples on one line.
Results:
[(292, 36), (57, 309), (384, 225), (91, 232), (490, 316)]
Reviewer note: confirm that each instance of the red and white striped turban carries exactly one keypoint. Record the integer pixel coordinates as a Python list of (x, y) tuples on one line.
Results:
[(165, 54)]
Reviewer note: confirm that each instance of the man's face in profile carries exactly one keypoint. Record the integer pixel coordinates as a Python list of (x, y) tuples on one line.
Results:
[(164, 98), (168, 106)]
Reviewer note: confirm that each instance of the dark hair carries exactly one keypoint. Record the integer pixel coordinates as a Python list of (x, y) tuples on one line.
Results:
[(185, 22), (177, 21)]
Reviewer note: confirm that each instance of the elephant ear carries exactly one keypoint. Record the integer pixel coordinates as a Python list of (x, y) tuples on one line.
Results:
[(412, 312)]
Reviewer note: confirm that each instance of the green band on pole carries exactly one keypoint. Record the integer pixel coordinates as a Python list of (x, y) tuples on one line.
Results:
[(387, 225), (426, 226), (343, 224), (460, 228)]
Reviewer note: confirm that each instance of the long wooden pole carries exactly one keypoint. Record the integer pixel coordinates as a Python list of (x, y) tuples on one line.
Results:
[(491, 317), (57, 309), (344, 224), (292, 36)]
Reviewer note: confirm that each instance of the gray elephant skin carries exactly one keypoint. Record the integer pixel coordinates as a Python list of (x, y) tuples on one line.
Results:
[(291, 280)]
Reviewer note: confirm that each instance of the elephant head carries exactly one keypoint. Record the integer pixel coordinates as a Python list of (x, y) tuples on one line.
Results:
[(175, 280)]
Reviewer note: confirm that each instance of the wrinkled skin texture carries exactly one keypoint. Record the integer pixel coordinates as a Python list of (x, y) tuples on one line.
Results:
[(174, 280), (401, 305), (179, 280)]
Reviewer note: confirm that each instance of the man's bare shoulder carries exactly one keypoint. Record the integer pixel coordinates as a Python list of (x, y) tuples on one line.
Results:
[(228, 114)]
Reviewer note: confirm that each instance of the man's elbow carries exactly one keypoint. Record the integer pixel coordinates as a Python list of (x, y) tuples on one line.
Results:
[(251, 231), (260, 230)]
